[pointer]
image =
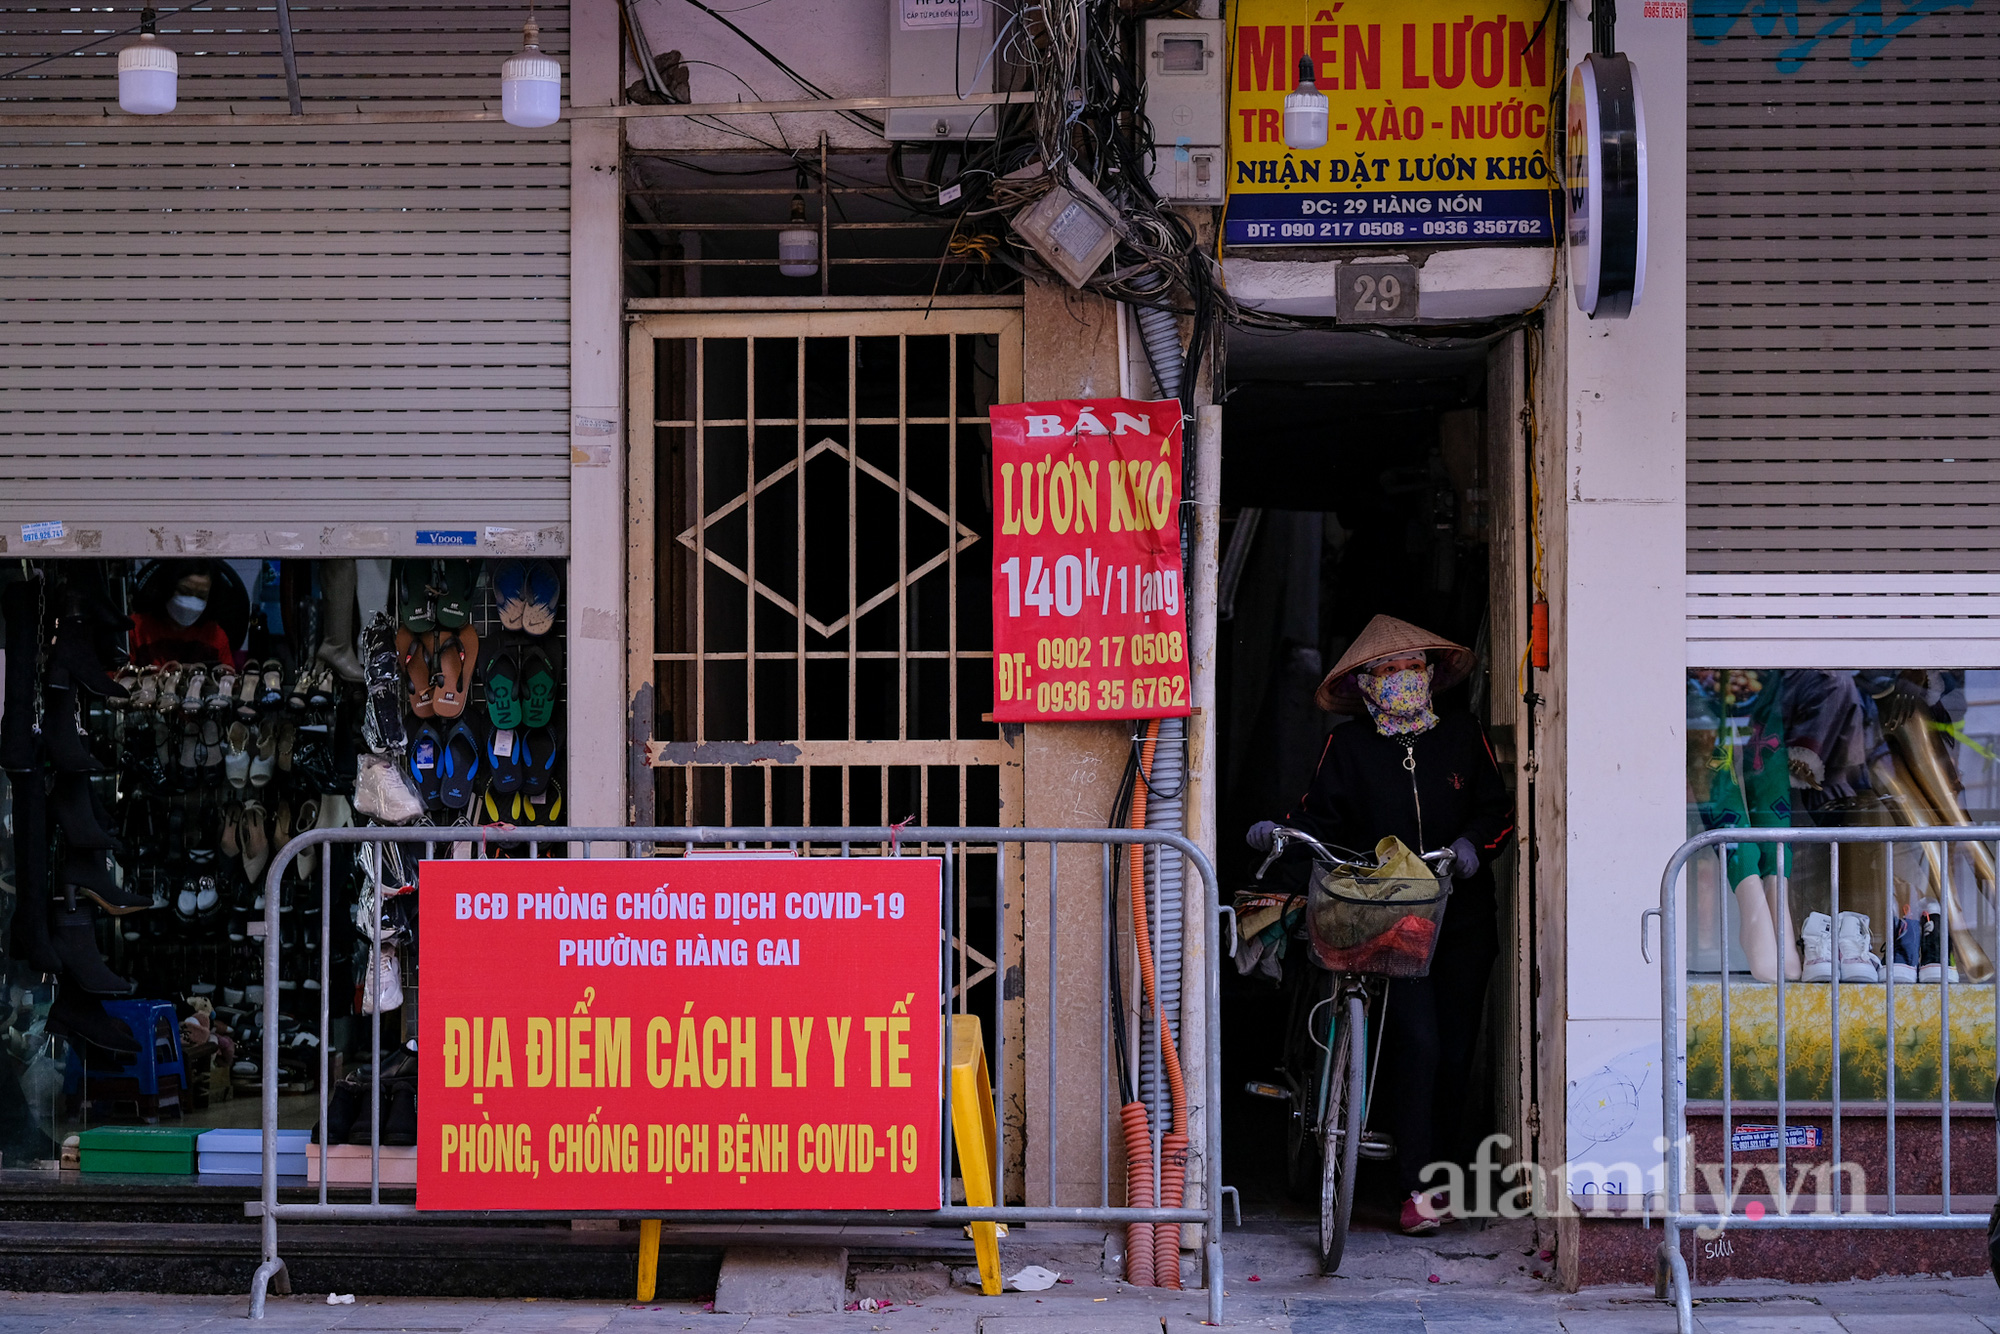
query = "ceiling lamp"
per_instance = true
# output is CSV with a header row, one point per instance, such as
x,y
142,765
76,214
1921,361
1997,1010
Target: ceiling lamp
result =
x,y
147,72
1305,111
798,244
530,84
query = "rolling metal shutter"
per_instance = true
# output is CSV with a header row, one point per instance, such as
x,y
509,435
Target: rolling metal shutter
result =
x,y
288,338
1842,258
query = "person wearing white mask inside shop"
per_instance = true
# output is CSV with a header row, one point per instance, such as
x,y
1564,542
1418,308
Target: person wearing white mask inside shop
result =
x,y
188,612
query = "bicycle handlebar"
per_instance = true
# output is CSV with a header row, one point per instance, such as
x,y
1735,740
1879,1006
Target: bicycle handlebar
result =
x,y
1440,861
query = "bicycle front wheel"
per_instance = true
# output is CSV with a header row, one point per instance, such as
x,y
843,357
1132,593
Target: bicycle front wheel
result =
x,y
1346,1111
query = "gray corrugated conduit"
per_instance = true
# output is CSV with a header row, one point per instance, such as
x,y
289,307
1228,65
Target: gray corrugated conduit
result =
x,y
1160,335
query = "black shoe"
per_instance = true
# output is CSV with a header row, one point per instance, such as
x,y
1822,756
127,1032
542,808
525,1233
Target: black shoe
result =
x,y
399,1125
93,873
61,731
83,1019
75,941
76,814
74,661
1933,952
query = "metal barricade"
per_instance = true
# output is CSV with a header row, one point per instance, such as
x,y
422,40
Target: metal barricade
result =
x,y
1671,1275
820,840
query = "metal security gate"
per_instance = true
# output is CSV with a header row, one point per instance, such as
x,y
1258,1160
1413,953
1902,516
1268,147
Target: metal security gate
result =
x,y
282,339
811,636
1841,348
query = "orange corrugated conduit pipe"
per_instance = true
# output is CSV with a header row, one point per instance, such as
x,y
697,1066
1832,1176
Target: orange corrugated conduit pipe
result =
x,y
1152,1253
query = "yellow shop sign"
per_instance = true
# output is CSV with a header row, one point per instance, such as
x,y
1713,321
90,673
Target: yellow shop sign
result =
x,y
1438,126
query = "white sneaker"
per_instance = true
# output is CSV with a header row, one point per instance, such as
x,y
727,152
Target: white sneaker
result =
x,y
1900,972
1818,941
1851,946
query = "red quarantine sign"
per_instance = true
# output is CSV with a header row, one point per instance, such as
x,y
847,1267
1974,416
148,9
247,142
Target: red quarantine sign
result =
x,y
1088,614
707,1033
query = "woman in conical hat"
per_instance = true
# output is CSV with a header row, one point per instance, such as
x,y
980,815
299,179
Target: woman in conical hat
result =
x,y
1430,780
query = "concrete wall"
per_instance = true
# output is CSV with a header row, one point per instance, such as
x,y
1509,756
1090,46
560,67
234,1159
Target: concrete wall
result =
x,y
841,45
1619,647
1071,772
596,595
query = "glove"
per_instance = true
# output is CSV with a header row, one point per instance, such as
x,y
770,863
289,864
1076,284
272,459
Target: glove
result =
x,y
1260,835
1464,859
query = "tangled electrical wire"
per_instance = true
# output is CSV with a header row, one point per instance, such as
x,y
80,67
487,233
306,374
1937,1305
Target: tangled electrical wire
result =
x,y
1087,123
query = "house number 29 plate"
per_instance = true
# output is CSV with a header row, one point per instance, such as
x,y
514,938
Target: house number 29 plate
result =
x,y
1377,293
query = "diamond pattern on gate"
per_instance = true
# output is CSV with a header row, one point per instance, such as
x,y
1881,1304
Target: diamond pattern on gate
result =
x,y
826,629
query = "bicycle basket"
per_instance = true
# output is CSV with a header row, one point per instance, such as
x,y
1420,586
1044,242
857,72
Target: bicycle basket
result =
x,y
1382,919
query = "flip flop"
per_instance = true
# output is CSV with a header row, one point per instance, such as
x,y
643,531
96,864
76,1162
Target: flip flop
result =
x,y
453,673
538,689
504,756
510,592
415,657
468,647
426,760
454,604
503,690
460,769
419,614
546,810
544,592
541,749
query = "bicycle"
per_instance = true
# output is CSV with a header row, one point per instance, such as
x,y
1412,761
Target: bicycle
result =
x,y
1329,1082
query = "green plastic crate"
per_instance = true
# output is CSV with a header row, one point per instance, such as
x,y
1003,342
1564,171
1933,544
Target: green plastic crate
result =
x,y
161,1150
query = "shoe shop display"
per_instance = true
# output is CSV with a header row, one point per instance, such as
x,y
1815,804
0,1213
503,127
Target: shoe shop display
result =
x,y
169,728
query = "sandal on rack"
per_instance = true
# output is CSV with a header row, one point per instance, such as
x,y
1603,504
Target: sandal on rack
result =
x,y
236,755
195,689
271,685
247,688
414,654
264,755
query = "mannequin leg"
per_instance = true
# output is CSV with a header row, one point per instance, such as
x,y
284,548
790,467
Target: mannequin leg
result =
x,y
371,587
1755,933
1788,939
336,578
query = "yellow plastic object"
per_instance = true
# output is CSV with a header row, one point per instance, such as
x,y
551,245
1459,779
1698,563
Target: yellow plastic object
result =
x,y
976,1139
649,1257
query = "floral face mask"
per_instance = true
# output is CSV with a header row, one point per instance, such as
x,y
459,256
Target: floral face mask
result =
x,y
1399,701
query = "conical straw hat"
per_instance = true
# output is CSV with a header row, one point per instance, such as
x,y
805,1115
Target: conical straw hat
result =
x,y
1387,637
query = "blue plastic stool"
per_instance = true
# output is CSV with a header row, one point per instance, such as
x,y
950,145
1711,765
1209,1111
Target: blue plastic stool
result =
x,y
156,1076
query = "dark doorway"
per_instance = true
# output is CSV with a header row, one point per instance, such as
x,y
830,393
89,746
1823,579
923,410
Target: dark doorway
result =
x,y
1352,485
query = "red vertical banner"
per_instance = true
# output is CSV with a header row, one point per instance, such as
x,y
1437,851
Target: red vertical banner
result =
x,y
709,1033
1089,614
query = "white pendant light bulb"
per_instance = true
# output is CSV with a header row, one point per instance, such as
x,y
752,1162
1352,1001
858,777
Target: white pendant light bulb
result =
x,y
147,73
530,84
1305,111
798,245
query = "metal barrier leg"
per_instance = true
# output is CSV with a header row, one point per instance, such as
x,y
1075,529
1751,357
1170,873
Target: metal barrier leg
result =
x,y
1673,1280
1214,1275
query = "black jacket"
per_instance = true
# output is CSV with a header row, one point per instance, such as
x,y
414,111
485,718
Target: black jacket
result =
x,y
1362,792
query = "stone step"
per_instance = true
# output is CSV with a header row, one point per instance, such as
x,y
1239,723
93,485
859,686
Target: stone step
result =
x,y
394,1259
